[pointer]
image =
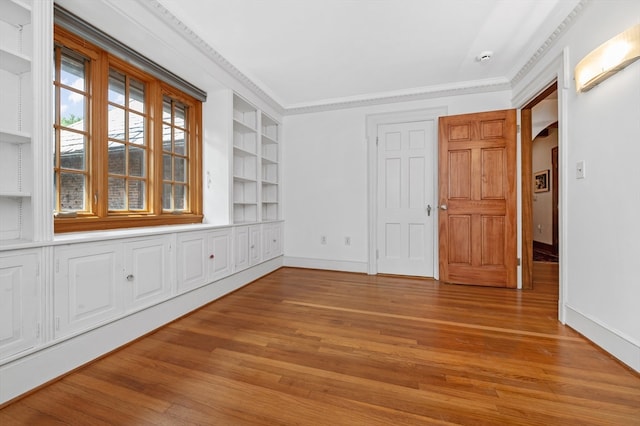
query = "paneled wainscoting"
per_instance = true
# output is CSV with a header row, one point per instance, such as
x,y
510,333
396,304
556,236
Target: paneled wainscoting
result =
x,y
315,347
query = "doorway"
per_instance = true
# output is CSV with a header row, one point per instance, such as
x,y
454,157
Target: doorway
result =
x,y
540,190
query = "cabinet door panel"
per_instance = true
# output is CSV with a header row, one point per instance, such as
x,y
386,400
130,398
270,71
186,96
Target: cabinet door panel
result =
x,y
220,263
192,263
87,287
18,304
241,249
147,272
255,253
272,245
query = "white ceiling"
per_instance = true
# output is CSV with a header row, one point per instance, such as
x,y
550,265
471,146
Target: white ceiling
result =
x,y
313,52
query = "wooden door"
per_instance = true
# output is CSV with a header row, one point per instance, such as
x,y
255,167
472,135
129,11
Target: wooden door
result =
x,y
405,198
477,196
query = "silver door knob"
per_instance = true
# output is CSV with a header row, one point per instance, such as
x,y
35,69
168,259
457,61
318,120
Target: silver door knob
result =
x,y
443,206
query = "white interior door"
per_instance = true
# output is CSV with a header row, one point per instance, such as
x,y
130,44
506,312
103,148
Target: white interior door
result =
x,y
406,198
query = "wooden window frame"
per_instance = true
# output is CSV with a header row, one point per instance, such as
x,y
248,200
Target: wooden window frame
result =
x,y
98,216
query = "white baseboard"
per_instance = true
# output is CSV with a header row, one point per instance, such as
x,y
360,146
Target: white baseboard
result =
x,y
57,359
332,265
618,345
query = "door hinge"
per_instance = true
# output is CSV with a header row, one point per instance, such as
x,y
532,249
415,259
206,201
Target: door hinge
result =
x,y
38,331
518,261
377,254
377,140
518,129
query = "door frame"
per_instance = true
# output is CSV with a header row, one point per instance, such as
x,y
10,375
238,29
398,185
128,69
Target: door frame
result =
x,y
372,123
558,70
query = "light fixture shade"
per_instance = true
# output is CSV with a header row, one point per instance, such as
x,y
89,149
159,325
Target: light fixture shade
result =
x,y
609,58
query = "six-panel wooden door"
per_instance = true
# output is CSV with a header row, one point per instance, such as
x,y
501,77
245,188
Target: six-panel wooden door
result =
x,y
477,197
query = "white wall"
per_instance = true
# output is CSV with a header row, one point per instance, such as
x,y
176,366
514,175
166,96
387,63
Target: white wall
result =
x,y
325,179
542,201
601,230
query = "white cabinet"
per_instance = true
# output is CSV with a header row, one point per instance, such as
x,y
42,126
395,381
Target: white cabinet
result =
x,y
247,250
19,302
16,110
87,286
272,241
147,271
95,283
203,257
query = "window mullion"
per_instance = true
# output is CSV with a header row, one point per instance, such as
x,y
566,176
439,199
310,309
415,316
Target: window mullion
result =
x,y
98,145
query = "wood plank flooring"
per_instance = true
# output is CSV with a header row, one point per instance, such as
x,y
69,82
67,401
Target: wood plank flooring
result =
x,y
309,347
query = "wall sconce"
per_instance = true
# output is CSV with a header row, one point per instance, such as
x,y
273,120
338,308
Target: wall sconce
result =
x,y
609,58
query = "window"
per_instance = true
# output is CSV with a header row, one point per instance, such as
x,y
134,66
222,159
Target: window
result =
x,y
127,146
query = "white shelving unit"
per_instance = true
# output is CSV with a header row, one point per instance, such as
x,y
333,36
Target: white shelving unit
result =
x,y
16,115
256,153
270,177
245,161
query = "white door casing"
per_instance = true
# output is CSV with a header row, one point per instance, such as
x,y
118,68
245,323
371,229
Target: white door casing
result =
x,y
405,194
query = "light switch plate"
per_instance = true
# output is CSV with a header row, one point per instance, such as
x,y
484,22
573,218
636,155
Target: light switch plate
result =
x,y
580,170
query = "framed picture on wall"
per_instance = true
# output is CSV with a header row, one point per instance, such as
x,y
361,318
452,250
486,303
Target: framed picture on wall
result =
x,y
541,181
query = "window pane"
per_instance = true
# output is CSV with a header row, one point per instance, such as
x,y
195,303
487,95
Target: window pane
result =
x,y
136,195
72,192
72,150
166,167
116,123
136,95
166,110
136,161
180,113
179,142
136,128
116,194
72,108
117,158
166,138
180,195
72,72
116,87
166,196
180,169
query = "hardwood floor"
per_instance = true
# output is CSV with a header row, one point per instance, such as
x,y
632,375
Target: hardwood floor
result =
x,y
329,348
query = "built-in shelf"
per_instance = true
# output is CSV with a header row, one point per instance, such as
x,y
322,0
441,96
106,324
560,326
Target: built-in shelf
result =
x,y
15,63
255,164
8,136
14,194
15,12
243,179
243,152
241,127
18,99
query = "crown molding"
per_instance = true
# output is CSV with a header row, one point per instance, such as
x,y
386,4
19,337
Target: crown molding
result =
x,y
408,95
549,42
158,9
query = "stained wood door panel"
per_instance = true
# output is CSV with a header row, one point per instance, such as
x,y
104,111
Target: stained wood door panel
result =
x,y
477,180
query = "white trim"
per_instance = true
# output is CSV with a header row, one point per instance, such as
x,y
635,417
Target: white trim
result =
x,y
53,361
406,95
556,70
372,123
325,264
623,347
